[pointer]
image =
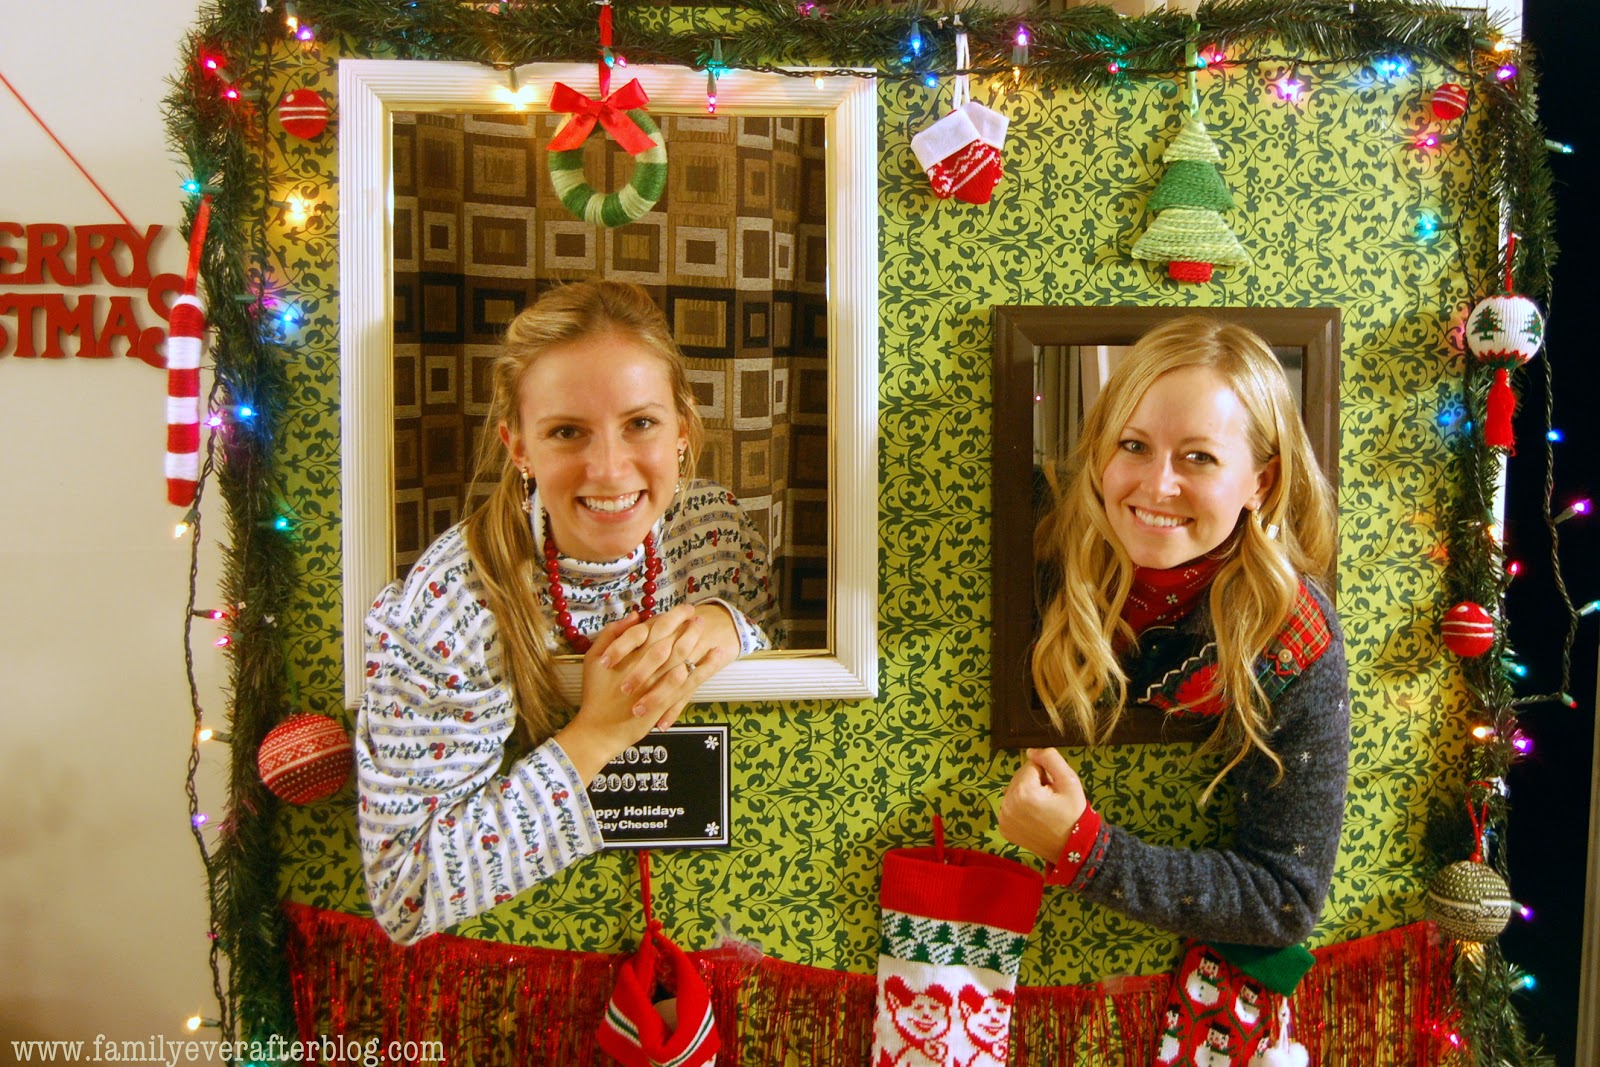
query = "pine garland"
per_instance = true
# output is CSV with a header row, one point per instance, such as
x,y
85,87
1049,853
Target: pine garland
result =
x,y
223,146
1084,48
1516,176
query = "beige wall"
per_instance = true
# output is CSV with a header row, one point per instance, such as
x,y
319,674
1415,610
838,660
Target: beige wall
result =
x,y
102,918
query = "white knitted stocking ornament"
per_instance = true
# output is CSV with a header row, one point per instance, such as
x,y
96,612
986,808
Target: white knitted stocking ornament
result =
x,y
1284,1050
955,923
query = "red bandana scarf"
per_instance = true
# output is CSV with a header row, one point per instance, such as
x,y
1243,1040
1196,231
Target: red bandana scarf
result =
x,y
1162,597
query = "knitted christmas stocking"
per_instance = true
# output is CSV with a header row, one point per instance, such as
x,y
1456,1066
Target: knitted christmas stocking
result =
x,y
955,923
1216,1014
957,160
659,1014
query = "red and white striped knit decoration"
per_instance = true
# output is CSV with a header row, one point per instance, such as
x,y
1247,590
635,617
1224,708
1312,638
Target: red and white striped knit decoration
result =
x,y
659,1014
186,330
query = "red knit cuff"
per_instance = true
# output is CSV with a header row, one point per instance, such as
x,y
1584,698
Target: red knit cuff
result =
x,y
1080,857
961,885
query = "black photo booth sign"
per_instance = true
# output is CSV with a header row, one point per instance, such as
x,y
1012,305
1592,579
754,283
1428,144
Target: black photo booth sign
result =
x,y
671,790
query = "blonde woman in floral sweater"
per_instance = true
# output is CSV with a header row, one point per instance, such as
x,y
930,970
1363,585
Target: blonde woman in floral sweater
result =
x,y
472,768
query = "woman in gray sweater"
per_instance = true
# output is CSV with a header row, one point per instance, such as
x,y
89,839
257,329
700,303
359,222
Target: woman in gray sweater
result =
x,y
1189,534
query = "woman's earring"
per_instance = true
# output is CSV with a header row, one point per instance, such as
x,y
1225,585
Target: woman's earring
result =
x,y
527,492
1269,529
683,464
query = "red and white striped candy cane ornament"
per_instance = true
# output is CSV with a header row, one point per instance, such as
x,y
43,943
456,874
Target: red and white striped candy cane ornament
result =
x,y
186,331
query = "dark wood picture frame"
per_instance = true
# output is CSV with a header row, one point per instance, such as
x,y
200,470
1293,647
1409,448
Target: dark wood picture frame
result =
x,y
1017,719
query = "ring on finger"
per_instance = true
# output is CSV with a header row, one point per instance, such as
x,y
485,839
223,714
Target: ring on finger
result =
x,y
689,666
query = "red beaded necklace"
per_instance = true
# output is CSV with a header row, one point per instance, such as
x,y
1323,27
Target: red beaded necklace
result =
x,y
558,595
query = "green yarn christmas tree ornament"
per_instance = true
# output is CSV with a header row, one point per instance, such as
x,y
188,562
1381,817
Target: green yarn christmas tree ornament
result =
x,y
1188,231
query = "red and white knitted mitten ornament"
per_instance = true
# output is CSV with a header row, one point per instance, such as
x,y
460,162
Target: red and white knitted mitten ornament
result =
x,y
955,924
659,1013
961,152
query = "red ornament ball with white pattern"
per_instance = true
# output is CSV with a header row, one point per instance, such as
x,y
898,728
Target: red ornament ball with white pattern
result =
x,y
1449,101
305,758
304,114
1468,630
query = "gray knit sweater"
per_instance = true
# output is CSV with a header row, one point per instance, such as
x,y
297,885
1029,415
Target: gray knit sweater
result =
x,y
1269,887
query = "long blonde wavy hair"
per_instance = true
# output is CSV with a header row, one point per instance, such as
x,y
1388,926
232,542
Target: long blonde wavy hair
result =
x,y
498,534
1075,668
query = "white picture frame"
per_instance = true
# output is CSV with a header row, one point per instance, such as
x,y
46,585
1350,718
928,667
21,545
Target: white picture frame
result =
x,y
370,91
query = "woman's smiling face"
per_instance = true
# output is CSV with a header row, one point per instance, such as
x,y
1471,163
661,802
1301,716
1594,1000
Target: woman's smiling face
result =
x,y
1182,470
600,435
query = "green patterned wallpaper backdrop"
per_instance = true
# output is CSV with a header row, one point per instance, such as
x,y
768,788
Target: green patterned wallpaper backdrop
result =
x,y
1328,197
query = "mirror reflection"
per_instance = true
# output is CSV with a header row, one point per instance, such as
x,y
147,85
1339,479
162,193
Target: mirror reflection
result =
x,y
1050,365
734,254
1068,378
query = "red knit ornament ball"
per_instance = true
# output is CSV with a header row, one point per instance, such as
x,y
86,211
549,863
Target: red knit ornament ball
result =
x,y
304,114
305,759
1468,630
1449,101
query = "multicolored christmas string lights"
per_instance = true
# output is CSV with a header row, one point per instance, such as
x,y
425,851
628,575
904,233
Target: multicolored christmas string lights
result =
x,y
211,116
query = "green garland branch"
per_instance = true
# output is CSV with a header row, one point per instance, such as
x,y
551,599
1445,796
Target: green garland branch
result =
x,y
223,144
1510,192
1070,48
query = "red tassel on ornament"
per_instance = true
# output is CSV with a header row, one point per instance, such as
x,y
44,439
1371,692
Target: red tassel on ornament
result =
x,y
1497,414
1185,270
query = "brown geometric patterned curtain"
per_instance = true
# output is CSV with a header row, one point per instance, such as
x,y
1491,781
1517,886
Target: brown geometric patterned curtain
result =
x,y
735,254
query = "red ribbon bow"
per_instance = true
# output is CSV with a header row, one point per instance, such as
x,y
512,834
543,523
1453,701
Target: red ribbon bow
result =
x,y
611,112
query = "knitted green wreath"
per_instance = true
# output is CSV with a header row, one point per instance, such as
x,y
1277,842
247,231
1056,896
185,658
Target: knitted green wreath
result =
x,y
644,188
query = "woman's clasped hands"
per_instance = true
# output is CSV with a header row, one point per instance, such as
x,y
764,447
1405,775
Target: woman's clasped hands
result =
x,y
638,676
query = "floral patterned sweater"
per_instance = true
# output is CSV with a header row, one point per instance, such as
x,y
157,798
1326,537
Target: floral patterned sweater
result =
x,y
1268,887
446,830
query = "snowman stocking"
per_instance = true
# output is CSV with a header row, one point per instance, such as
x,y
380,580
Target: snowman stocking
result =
x,y
955,924
1215,1014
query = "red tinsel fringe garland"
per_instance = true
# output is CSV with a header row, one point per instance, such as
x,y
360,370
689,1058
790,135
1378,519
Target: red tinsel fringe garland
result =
x,y
1379,1001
